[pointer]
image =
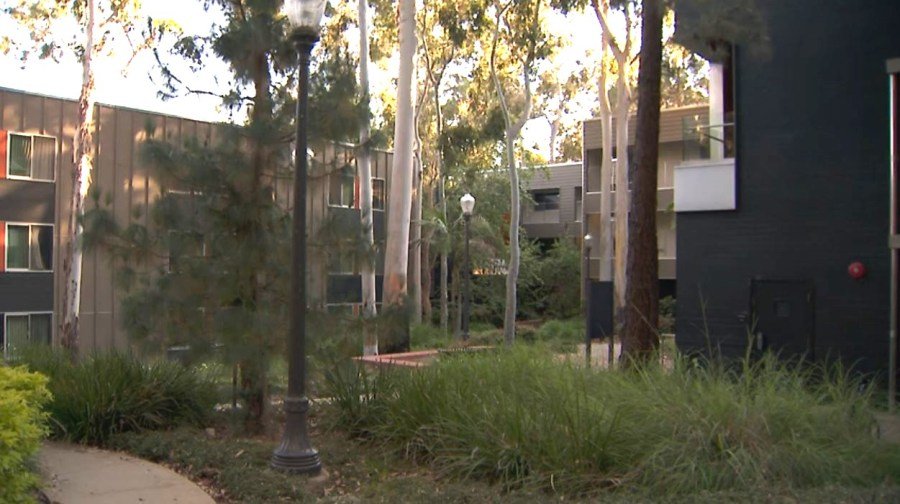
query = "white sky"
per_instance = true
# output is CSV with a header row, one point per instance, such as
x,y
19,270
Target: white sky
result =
x,y
136,90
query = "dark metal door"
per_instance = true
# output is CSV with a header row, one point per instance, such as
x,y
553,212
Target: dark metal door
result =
x,y
783,317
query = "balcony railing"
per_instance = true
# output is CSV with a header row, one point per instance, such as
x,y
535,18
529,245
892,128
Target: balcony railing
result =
x,y
701,140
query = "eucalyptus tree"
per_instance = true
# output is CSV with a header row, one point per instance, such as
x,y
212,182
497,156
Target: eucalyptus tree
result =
x,y
518,41
364,163
400,202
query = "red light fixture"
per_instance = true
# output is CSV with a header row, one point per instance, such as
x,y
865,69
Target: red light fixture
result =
x,y
856,270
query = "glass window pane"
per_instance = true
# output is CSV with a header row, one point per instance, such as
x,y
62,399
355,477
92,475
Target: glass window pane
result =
x,y
17,247
334,189
42,248
16,333
40,328
378,194
349,190
43,158
20,155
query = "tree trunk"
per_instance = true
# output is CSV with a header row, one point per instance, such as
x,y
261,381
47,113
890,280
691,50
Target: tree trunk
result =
x,y
606,167
415,245
400,202
364,162
640,337
81,182
512,133
554,132
622,196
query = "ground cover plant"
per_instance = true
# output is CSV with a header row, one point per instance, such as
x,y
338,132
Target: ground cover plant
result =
x,y
104,394
23,425
522,419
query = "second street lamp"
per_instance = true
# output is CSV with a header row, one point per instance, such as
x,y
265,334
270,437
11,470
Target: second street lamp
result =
x,y
295,453
586,296
467,202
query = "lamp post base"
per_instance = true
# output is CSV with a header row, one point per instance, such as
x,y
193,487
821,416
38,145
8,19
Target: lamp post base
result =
x,y
295,454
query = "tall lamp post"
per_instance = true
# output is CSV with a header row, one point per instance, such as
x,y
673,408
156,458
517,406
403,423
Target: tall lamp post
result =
x,y
295,453
467,202
586,297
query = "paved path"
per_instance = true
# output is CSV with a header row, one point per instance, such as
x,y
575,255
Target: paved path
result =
x,y
74,475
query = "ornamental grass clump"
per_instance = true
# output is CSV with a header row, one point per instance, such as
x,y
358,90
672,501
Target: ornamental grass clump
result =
x,y
522,418
109,393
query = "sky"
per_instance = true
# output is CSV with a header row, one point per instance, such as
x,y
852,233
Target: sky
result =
x,y
134,89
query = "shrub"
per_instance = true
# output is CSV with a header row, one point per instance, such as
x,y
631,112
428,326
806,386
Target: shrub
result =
x,y
428,336
109,393
22,427
521,418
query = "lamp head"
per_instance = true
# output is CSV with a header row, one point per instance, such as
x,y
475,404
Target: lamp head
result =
x,y
305,15
467,202
588,241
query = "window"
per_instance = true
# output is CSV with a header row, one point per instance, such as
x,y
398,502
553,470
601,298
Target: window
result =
x,y
578,208
29,247
546,199
21,329
31,157
341,189
378,192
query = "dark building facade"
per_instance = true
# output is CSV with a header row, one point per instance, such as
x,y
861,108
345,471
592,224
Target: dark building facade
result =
x,y
766,241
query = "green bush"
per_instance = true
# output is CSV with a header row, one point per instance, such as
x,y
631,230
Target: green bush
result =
x,y
109,393
521,418
23,425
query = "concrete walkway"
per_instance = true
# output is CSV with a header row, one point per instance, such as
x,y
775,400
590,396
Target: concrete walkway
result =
x,y
75,474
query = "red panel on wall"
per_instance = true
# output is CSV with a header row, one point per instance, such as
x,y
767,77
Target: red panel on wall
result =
x,y
3,138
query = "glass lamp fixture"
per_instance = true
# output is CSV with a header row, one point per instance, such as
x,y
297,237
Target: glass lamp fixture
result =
x,y
467,202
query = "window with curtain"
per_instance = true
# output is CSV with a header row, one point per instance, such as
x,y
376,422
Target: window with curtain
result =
x,y
16,333
25,329
29,247
17,240
32,156
19,155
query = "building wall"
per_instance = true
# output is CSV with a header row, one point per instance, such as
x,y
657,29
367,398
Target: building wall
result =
x,y
671,154
812,167
554,223
118,171
127,185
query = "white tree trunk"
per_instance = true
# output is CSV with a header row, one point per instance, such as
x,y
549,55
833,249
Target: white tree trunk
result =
x,y
400,202
513,129
622,195
364,161
554,132
604,242
415,267
81,182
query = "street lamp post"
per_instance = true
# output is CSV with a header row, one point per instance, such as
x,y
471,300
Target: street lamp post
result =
x,y
295,453
586,297
467,202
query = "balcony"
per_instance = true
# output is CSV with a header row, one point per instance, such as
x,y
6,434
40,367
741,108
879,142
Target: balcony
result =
x,y
706,180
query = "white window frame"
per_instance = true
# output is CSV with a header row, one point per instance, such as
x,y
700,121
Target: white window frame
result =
x,y
32,136
6,267
342,204
24,314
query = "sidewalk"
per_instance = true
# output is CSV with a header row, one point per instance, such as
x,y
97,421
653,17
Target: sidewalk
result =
x,y
75,474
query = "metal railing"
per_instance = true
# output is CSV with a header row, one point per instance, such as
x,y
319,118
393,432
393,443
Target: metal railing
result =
x,y
701,140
